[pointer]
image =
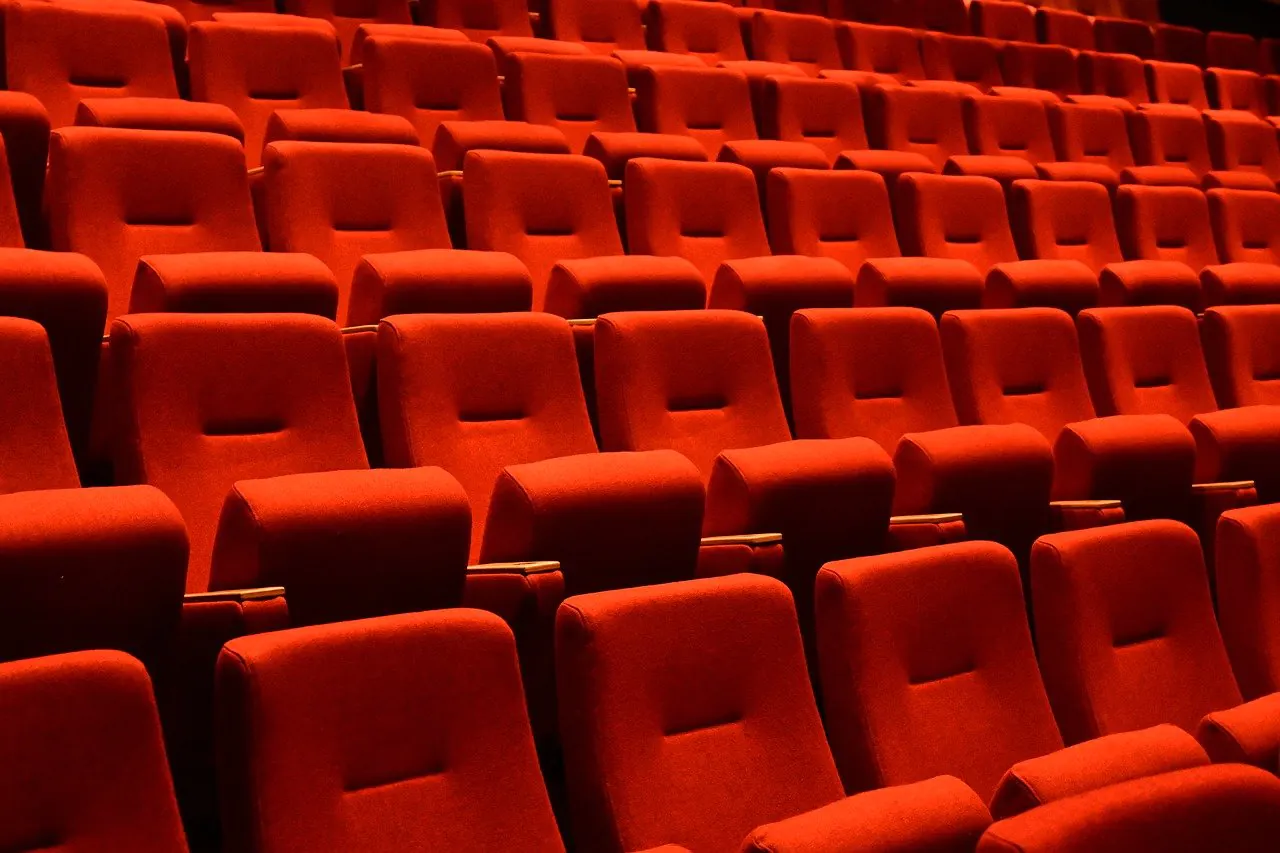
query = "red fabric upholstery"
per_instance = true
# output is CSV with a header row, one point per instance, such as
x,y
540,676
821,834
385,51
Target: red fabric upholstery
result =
x,y
420,714
1170,138
455,139
1151,283
762,156
236,65
341,202
615,150
24,130
1240,349
437,281
707,213
158,114
1180,44
1231,50
395,31
1243,144
712,105
408,530
1065,221
83,756
1223,808
64,53
920,121
321,125
843,215
941,815
928,668
1093,135
1116,75
1245,575
1065,284
603,26
888,164
805,41
1245,734
1065,27
1003,21
451,394
589,287
936,285
1114,656
1243,225
1165,224
577,95
1123,35
961,218
659,756
210,282
115,195
1236,89
1008,127
193,426
347,19
1177,83
506,47
962,59
709,32
1093,764
542,209
893,51
1004,169
1048,67
481,20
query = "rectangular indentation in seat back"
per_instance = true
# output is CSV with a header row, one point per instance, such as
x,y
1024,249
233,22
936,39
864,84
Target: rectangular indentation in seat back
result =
x,y
964,239
916,681
550,230
280,95
91,81
1171,243
362,227
728,720
375,782
1024,390
699,403
1138,639
1071,241
1151,382
226,427
495,416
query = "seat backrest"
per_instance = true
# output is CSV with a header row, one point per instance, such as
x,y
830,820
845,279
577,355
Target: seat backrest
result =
x,y
1145,361
649,398
348,15
955,217
342,201
1090,133
1244,570
924,121
541,208
257,70
429,82
116,195
420,714
943,16
1010,127
805,41
1181,812
659,688
207,400
1002,20
923,653
1120,35
1065,221
34,448
1177,83
1118,75
712,105
1244,225
841,214
1115,657
1066,27
873,372
1162,138
964,59
1231,50
481,19
83,756
882,50
62,54
1243,143
706,212
1237,89
474,394
602,25
1165,224
708,31
1242,349
1180,44
1050,67
579,95
825,113
1019,365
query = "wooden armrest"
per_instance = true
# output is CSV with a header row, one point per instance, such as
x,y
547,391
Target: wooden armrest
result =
x,y
587,322
1099,504
1227,486
359,66
260,593
531,567
930,518
353,330
755,540
450,173
615,183
257,170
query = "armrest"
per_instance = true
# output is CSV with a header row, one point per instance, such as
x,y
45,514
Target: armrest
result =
x,y
927,518
455,138
347,544
338,125
233,282
615,150
523,568
1067,285
753,540
908,532
1000,167
1160,176
261,593
936,285
160,114
777,286
939,814
438,281
1150,283
1098,173
1088,504
890,164
1238,444
1083,515
1095,764
588,287
1240,284
1245,734
1228,486
1238,179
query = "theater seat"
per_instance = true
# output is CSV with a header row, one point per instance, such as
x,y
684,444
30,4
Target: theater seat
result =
x,y
482,20
823,113
1177,84
1236,89
1244,227
602,25
398,695
807,42
1046,72
1142,361
890,54
1241,142
1115,79
1244,579
904,702
83,757
1091,142
651,760
960,61
911,130
1239,348
1116,658
1066,27
1170,144
347,19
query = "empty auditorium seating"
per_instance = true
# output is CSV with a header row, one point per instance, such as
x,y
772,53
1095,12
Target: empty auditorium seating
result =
x,y
347,18
1147,360
1008,137
965,218
1244,225
1179,44
1091,142
1236,89
1114,78
663,756
1065,27
1239,341
1023,366
83,757
1002,20
1177,84
1229,808
480,20
960,60
1239,142
905,702
824,113
803,41
399,695
1041,71
602,25
888,54
1231,50
1121,35
707,31
1172,224
1244,573
1116,658
926,124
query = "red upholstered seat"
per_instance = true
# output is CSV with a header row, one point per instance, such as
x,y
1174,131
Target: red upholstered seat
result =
x,y
480,19
347,18
603,26
1002,20
1091,141
806,41
1116,78
1123,35
1181,44
1240,349
1244,225
1240,142
414,735
1066,27
1116,658
824,113
716,731
1045,67
707,31
1177,84
963,60
843,215
893,52
1237,89
1244,573
83,757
